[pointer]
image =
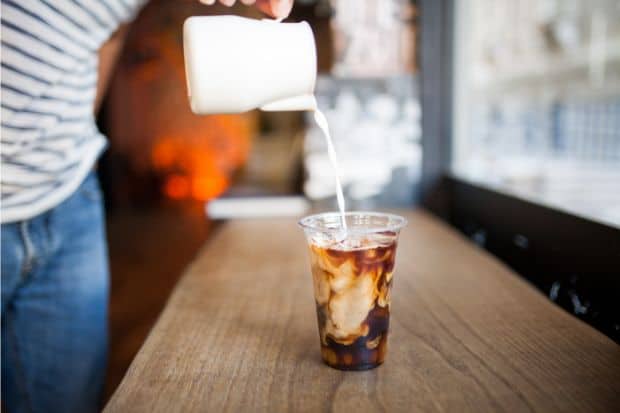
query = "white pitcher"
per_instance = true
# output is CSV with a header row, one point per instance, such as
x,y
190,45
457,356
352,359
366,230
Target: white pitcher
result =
x,y
235,64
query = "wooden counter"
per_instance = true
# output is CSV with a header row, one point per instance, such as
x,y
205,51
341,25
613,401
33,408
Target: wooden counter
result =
x,y
239,334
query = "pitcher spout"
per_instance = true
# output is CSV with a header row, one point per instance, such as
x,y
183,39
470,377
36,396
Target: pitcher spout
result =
x,y
302,102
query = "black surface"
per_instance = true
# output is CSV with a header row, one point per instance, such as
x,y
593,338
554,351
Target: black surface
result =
x,y
572,260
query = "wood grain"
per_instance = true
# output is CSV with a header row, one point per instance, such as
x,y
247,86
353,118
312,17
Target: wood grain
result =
x,y
239,334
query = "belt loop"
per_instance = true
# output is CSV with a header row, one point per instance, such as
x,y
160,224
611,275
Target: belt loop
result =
x,y
28,263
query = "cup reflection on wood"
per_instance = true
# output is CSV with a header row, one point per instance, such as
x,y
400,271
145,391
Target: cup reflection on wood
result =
x,y
352,283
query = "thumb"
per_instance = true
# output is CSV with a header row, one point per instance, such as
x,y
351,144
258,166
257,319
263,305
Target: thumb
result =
x,y
275,8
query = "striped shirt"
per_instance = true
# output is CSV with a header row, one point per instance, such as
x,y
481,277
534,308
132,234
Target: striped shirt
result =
x,y
49,139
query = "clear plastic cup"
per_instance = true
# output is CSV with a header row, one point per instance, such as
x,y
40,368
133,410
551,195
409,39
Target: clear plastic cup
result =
x,y
352,271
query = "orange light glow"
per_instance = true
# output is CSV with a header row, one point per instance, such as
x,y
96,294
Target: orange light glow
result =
x,y
198,163
163,154
205,188
176,187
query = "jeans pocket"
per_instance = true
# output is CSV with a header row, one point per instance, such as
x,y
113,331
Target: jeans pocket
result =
x,y
13,258
90,188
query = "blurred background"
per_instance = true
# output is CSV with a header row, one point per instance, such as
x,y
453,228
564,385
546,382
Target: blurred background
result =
x,y
538,101
492,114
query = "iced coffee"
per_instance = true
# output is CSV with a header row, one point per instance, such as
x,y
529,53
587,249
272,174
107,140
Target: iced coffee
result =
x,y
352,272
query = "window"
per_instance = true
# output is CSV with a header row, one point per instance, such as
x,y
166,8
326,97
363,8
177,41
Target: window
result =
x,y
537,102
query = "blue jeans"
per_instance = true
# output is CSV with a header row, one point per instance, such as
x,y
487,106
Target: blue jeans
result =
x,y
54,307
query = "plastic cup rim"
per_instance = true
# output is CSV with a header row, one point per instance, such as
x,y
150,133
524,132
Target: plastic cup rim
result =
x,y
398,222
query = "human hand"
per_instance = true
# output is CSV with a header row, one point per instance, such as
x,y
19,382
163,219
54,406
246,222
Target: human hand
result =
x,y
275,8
